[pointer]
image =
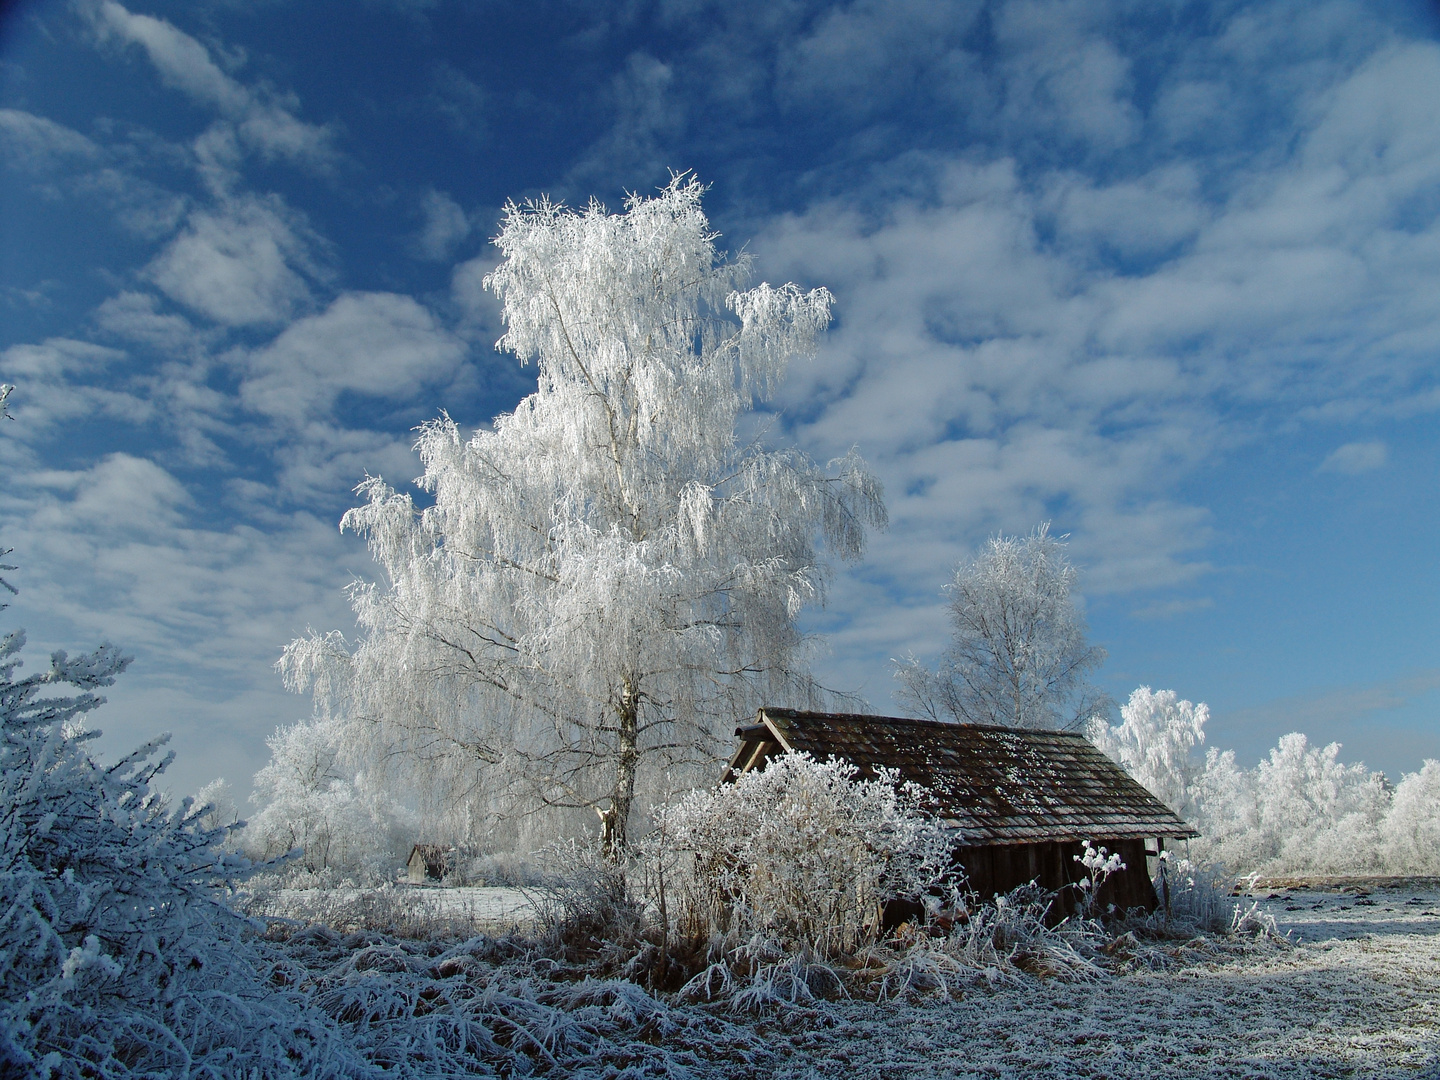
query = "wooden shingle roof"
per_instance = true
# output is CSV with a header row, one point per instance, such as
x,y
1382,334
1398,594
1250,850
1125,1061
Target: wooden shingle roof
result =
x,y
998,785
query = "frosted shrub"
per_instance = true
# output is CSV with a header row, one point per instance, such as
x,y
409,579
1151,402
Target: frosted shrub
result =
x,y
117,955
585,903
1195,895
803,853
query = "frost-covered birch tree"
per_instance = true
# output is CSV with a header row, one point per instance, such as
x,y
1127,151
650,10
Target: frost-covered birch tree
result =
x,y
1019,656
609,576
1156,742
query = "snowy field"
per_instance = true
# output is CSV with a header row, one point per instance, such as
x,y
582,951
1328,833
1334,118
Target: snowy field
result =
x,y
491,911
1356,993
1350,989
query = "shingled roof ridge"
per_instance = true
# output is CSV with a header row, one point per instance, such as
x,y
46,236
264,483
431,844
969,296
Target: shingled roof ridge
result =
x,y
786,713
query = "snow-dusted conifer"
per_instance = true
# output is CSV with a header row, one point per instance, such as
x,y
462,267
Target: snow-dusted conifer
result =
x,y
607,576
117,956
1019,656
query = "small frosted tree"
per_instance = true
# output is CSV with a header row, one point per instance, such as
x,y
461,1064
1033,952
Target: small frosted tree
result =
x,y
1019,656
1411,831
607,576
1316,813
308,800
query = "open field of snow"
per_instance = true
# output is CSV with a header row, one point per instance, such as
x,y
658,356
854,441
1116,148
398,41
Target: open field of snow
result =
x,y
1355,993
1351,989
478,910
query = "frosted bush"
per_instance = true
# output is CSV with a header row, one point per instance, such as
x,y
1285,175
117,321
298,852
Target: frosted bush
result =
x,y
1194,894
118,956
803,853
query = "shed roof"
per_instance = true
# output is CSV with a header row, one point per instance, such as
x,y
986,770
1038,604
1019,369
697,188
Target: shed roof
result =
x,y
998,785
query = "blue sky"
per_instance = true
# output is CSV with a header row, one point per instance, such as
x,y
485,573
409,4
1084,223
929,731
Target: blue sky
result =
x,y
1166,274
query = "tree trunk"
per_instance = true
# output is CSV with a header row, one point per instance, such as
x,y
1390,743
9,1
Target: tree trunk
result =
x,y
615,819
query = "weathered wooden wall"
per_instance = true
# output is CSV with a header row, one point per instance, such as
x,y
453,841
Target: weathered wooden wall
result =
x,y
999,868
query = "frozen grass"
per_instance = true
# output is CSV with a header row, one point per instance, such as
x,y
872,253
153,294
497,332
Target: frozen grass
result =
x,y
1357,993
400,910
484,1007
1351,988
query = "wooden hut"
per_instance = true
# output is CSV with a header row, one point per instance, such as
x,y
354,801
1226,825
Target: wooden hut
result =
x,y
427,862
1024,802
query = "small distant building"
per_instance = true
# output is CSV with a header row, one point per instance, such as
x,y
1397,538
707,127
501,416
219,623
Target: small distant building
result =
x,y
428,862
1024,802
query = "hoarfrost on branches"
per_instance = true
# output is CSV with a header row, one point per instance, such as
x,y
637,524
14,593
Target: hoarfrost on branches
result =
x,y
1019,656
1299,810
804,853
1155,742
607,576
118,956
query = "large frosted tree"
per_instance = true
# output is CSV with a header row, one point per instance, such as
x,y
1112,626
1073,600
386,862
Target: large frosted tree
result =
x,y
608,577
1019,656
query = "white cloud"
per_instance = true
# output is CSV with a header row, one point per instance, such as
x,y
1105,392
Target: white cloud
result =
x,y
263,120
237,264
40,144
1020,343
1142,217
1062,77
63,160
122,494
63,381
1171,609
182,61
648,112
376,344
1355,458
445,225
114,552
863,55
135,316
479,307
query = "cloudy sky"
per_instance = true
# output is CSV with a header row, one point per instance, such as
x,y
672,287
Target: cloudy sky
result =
x,y
1164,273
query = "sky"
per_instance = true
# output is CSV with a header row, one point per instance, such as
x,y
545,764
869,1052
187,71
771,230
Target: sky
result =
x,y
1165,274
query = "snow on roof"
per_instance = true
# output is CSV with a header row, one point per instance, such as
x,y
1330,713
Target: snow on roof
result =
x,y
998,785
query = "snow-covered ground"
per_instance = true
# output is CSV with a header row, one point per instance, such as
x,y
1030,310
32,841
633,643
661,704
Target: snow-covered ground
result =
x,y
1351,989
491,911
1356,993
